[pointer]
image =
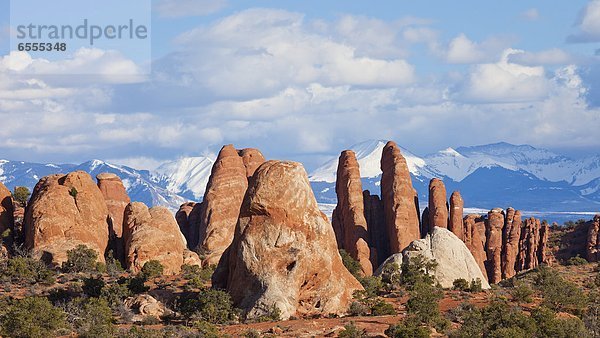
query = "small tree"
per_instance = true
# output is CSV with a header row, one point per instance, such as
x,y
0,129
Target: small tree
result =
x,y
32,317
522,293
91,317
352,331
460,284
80,259
423,303
21,195
152,269
351,264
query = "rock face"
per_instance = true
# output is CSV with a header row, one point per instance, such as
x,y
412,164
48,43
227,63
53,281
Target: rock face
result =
x,y
510,242
398,196
116,198
592,248
252,159
456,215
374,215
493,247
188,218
528,245
473,240
280,223
452,255
222,200
6,209
438,208
152,234
65,211
348,217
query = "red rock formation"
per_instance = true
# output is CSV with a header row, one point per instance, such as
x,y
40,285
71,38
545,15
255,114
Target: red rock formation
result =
x,y
222,200
380,246
280,223
493,247
456,215
474,241
593,241
116,198
398,196
188,219
510,242
438,207
425,222
543,243
252,159
348,216
64,212
6,214
528,245
152,234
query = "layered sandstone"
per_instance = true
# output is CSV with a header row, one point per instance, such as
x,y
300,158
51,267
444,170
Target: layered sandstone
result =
x,y
473,240
493,248
280,223
592,248
349,215
116,198
438,208
510,242
398,196
66,211
456,214
152,234
188,219
374,215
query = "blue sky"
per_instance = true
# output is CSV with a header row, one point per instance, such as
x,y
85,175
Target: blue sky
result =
x,y
304,80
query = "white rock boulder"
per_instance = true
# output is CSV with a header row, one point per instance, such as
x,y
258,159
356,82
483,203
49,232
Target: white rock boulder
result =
x,y
452,255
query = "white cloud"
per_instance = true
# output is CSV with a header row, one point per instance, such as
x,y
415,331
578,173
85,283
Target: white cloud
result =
x,y
506,82
267,50
462,50
531,14
184,8
588,24
554,56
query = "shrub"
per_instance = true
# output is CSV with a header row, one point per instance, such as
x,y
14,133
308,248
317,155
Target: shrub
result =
x,y
382,308
351,264
137,284
408,328
522,293
592,314
213,306
418,269
372,286
206,329
273,315
197,276
115,293
352,331
152,269
113,266
21,195
550,326
390,274
32,317
559,294
25,269
93,286
81,259
423,303
358,309
577,260
475,286
90,317
73,192
460,284
251,333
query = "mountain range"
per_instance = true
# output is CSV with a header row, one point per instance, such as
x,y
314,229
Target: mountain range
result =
x,y
488,176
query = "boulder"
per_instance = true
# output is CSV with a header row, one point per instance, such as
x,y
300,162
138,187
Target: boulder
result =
x,y
116,198
66,211
348,218
398,196
510,242
144,306
456,215
494,227
452,255
284,252
152,234
438,207
593,240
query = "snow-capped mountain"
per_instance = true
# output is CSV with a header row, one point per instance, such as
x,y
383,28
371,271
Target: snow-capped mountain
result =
x,y
186,177
487,176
